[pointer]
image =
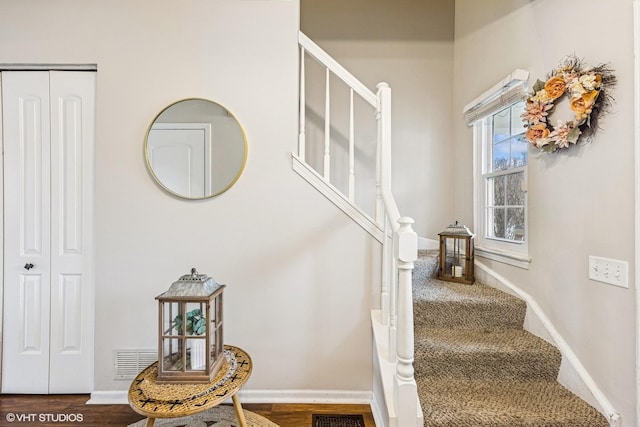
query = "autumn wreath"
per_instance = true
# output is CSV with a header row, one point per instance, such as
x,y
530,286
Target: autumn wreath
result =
x,y
588,92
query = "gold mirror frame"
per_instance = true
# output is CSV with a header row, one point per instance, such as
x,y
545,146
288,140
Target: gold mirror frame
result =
x,y
196,115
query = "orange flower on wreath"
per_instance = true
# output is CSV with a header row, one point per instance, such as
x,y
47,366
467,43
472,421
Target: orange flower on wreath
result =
x,y
537,132
555,87
582,105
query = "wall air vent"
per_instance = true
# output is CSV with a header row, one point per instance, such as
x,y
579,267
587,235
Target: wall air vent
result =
x,y
130,362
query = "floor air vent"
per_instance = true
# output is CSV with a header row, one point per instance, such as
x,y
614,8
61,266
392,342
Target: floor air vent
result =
x,y
337,421
128,363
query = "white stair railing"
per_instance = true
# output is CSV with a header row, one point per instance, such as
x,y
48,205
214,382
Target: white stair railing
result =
x,y
399,241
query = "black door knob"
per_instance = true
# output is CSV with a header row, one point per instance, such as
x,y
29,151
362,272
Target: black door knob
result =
x,y
28,266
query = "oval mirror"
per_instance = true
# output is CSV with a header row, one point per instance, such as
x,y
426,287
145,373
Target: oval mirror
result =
x,y
195,149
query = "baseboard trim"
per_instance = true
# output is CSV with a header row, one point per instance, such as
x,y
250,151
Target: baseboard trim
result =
x,y
573,374
337,397
109,397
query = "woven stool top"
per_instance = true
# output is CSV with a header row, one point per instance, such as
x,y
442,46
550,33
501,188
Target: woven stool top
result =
x,y
148,398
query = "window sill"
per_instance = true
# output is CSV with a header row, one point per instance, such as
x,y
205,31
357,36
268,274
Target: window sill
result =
x,y
515,259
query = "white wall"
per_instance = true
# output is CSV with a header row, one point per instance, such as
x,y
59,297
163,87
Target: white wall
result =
x,y
299,274
408,44
581,202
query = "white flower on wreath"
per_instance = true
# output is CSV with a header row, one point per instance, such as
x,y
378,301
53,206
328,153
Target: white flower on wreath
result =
x,y
577,88
589,82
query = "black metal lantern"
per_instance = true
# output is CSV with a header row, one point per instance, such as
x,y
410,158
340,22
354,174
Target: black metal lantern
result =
x,y
456,254
190,339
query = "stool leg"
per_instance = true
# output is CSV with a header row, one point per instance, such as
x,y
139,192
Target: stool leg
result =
x,y
239,413
150,421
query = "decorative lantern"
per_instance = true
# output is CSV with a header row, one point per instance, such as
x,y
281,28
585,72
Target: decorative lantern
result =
x,y
190,340
456,254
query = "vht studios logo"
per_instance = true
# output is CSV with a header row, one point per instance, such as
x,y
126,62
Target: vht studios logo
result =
x,y
43,418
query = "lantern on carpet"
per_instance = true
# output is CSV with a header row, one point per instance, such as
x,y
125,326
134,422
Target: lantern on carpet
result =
x,y
456,254
190,338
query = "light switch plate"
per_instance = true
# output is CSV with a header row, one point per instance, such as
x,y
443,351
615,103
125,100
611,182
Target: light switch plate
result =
x,y
611,271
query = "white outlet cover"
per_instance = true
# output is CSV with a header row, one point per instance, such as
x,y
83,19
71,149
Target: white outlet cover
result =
x,y
611,271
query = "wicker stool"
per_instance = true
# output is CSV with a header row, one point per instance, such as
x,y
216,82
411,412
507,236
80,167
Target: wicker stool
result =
x,y
153,400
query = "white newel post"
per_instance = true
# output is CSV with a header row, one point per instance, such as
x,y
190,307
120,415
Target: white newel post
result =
x,y
405,389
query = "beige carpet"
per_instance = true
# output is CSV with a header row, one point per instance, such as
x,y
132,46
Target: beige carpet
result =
x,y
476,366
220,416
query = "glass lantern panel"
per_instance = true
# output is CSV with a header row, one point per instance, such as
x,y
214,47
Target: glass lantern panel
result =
x,y
213,342
196,323
196,354
219,343
172,354
171,318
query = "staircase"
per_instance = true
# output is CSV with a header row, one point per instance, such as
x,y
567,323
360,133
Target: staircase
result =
x,y
475,365
463,358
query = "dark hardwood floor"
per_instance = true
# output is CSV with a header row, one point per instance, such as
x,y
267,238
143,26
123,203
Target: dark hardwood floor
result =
x,y
53,410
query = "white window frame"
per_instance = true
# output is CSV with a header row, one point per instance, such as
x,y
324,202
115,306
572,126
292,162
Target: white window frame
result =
x,y
478,114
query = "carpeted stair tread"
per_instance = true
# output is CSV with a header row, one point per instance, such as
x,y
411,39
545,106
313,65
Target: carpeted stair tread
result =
x,y
426,266
438,303
466,403
508,354
476,366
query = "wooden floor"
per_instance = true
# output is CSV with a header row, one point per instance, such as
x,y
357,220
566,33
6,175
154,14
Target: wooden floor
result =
x,y
36,410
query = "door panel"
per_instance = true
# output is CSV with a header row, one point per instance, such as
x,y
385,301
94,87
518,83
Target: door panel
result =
x,y
25,106
72,141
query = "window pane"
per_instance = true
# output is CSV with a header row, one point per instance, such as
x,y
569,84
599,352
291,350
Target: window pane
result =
x,y
495,220
501,155
519,153
517,125
515,196
501,125
515,224
496,191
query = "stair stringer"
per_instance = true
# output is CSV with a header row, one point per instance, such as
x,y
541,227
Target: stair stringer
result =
x,y
573,374
337,198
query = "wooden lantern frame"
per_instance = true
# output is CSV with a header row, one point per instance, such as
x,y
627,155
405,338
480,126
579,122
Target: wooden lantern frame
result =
x,y
176,348
457,254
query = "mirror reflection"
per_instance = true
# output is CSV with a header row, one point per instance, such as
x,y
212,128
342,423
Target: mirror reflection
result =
x,y
195,148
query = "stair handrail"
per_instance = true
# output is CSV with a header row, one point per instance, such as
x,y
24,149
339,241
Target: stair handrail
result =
x,y
400,243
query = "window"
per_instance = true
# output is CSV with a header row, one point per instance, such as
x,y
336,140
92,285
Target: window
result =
x,y
500,177
505,161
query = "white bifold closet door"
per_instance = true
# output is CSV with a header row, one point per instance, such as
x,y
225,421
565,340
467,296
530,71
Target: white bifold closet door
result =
x,y
48,130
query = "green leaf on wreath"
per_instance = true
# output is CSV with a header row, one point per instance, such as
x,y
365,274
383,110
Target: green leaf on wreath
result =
x,y
538,86
573,135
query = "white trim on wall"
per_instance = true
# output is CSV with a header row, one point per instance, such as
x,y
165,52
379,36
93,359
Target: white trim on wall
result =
x,y
337,397
48,67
